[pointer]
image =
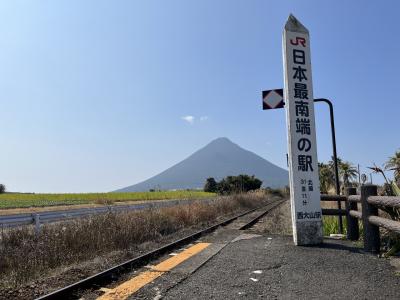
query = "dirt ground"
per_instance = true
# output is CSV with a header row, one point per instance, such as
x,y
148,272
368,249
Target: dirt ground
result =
x,y
277,221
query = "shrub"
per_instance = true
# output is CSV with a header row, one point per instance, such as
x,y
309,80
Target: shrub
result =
x,y
275,192
211,185
238,184
2,188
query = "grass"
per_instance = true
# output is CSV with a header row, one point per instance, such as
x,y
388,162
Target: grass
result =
x,y
17,200
64,244
331,225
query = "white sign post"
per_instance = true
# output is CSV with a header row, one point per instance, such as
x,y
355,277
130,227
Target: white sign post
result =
x,y
303,162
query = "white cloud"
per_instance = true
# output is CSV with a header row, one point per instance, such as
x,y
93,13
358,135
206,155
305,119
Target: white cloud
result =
x,y
189,119
203,118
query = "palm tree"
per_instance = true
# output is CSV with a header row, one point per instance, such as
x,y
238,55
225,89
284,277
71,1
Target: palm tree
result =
x,y
348,172
326,177
393,164
332,164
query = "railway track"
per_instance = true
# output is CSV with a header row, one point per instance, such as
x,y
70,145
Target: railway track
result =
x,y
110,275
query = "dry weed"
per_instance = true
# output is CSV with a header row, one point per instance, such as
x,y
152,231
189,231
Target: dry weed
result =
x,y
25,255
278,221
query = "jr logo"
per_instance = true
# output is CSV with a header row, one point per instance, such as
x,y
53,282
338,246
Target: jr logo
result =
x,y
299,40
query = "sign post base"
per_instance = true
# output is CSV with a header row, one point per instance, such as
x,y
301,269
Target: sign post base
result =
x,y
308,233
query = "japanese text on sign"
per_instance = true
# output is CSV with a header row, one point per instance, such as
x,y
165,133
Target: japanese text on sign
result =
x,y
302,141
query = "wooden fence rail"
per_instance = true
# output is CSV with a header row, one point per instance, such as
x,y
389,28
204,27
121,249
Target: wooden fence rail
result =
x,y
384,201
370,205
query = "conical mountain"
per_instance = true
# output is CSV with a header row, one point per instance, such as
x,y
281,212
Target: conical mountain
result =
x,y
218,159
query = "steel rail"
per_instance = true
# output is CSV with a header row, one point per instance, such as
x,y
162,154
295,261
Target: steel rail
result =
x,y
255,220
105,277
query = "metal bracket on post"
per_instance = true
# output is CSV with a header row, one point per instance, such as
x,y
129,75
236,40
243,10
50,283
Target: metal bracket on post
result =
x,y
372,240
353,232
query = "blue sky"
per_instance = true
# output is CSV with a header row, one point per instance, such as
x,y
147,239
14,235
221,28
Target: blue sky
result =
x,y
94,93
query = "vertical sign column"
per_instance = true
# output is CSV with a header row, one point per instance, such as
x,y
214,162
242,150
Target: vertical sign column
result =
x,y
303,162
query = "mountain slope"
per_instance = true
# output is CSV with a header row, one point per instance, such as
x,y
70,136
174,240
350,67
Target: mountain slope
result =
x,y
218,159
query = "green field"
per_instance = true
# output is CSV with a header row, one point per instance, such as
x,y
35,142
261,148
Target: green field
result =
x,y
16,200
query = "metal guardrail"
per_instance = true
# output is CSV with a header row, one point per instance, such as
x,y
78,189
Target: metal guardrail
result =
x,y
63,215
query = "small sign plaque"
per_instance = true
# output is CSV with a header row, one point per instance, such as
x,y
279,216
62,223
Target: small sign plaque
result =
x,y
273,99
363,178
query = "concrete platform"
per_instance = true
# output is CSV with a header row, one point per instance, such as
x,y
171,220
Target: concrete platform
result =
x,y
240,265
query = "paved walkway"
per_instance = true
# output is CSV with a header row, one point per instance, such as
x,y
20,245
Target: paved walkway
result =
x,y
240,265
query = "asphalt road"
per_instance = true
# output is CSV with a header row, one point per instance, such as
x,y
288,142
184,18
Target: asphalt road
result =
x,y
243,266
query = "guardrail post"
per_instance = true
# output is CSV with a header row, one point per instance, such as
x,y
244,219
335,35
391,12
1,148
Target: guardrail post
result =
x,y
37,223
353,232
372,240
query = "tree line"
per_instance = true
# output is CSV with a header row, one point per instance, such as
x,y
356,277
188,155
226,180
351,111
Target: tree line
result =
x,y
232,184
2,188
348,173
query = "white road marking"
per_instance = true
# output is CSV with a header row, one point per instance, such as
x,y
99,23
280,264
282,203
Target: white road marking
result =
x,y
253,279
